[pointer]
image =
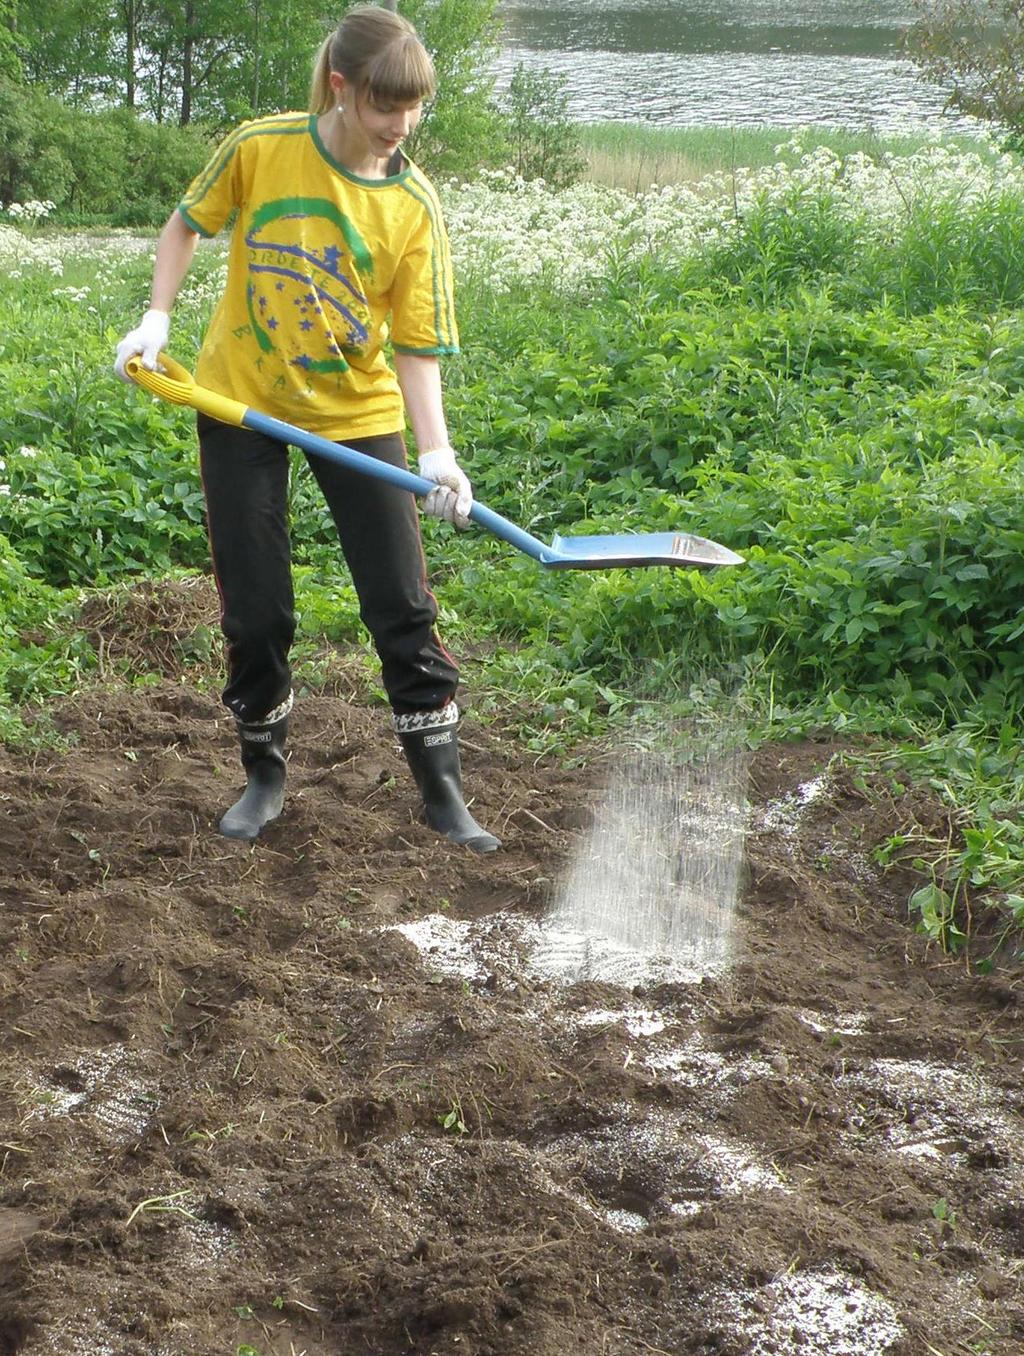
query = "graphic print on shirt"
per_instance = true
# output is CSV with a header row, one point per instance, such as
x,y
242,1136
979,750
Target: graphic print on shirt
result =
x,y
305,297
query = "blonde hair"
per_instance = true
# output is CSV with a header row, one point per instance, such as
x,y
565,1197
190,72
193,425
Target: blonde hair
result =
x,y
377,51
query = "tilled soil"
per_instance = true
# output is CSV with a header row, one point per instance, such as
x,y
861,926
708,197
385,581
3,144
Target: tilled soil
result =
x,y
317,1095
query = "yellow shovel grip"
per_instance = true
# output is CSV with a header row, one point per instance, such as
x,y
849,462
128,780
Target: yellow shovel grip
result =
x,y
177,385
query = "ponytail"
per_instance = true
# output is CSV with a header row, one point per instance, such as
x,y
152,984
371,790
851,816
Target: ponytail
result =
x,y
321,96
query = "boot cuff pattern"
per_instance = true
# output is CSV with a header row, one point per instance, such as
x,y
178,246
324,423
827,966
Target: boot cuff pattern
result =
x,y
415,721
278,713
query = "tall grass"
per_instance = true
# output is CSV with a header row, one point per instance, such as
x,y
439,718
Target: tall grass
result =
x,y
635,155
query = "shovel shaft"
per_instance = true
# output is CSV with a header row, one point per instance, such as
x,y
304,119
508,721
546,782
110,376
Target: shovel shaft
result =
x,y
393,475
175,383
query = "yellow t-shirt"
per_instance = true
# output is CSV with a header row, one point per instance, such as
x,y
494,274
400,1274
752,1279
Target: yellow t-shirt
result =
x,y
324,268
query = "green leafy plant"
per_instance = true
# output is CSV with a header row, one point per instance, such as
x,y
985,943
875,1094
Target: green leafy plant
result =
x,y
936,912
453,1119
944,1213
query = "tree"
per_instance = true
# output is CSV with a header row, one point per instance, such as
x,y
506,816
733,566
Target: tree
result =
x,y
10,66
174,60
65,48
975,47
278,43
216,62
543,142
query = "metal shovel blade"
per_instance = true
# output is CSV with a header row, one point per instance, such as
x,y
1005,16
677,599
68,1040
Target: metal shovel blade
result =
x,y
646,548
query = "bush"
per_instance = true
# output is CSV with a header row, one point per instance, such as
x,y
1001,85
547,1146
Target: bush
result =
x,y
107,166
866,460
542,142
39,655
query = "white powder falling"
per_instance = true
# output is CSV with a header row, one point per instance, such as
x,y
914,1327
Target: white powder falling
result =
x,y
659,870
567,955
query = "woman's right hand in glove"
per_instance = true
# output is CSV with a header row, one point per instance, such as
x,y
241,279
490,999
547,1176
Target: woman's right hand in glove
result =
x,y
146,341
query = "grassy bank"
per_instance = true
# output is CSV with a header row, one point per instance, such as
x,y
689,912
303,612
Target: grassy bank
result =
x,y
820,367
633,156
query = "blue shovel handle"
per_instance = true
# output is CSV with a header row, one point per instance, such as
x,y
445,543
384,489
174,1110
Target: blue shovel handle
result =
x,y
394,475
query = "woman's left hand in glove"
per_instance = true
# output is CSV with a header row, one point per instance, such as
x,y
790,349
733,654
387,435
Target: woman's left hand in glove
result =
x,y
453,497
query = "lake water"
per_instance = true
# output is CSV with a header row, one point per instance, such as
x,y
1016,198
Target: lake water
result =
x,y
681,63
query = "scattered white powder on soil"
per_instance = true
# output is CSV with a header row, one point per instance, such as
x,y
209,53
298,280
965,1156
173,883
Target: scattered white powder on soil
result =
x,y
97,1340
930,1108
90,1335
818,1313
626,1221
695,1066
639,1022
690,1170
50,1099
209,1241
469,950
784,815
111,1091
444,943
841,1024
686,1209
736,1168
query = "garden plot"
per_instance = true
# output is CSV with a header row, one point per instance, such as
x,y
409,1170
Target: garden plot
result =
x,y
355,1090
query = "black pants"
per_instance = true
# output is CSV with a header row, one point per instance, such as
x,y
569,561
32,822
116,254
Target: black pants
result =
x,y
245,480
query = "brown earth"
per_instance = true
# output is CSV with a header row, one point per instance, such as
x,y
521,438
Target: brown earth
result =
x,y
258,1100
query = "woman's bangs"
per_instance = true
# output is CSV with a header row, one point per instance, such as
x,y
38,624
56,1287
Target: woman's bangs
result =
x,y
402,74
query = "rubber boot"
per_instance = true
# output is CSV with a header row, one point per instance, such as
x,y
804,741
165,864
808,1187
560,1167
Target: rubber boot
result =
x,y
262,749
432,752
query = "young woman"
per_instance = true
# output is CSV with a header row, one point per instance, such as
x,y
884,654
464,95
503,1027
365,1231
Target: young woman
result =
x,y
338,249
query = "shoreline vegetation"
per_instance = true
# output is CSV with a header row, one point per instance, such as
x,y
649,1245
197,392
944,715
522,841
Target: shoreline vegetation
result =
x,y
633,156
813,358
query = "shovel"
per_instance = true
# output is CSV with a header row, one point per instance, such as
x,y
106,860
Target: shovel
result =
x,y
176,384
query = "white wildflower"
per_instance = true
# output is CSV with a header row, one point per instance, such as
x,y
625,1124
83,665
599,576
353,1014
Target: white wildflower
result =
x,y
76,294
507,229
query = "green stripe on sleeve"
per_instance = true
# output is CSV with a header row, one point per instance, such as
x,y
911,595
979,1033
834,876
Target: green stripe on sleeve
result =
x,y
192,224
292,124
437,351
444,301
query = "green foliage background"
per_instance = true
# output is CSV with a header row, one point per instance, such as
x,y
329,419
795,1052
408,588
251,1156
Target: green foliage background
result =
x,y
70,134
102,167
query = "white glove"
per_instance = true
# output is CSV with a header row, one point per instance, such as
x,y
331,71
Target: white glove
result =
x,y
147,339
453,497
